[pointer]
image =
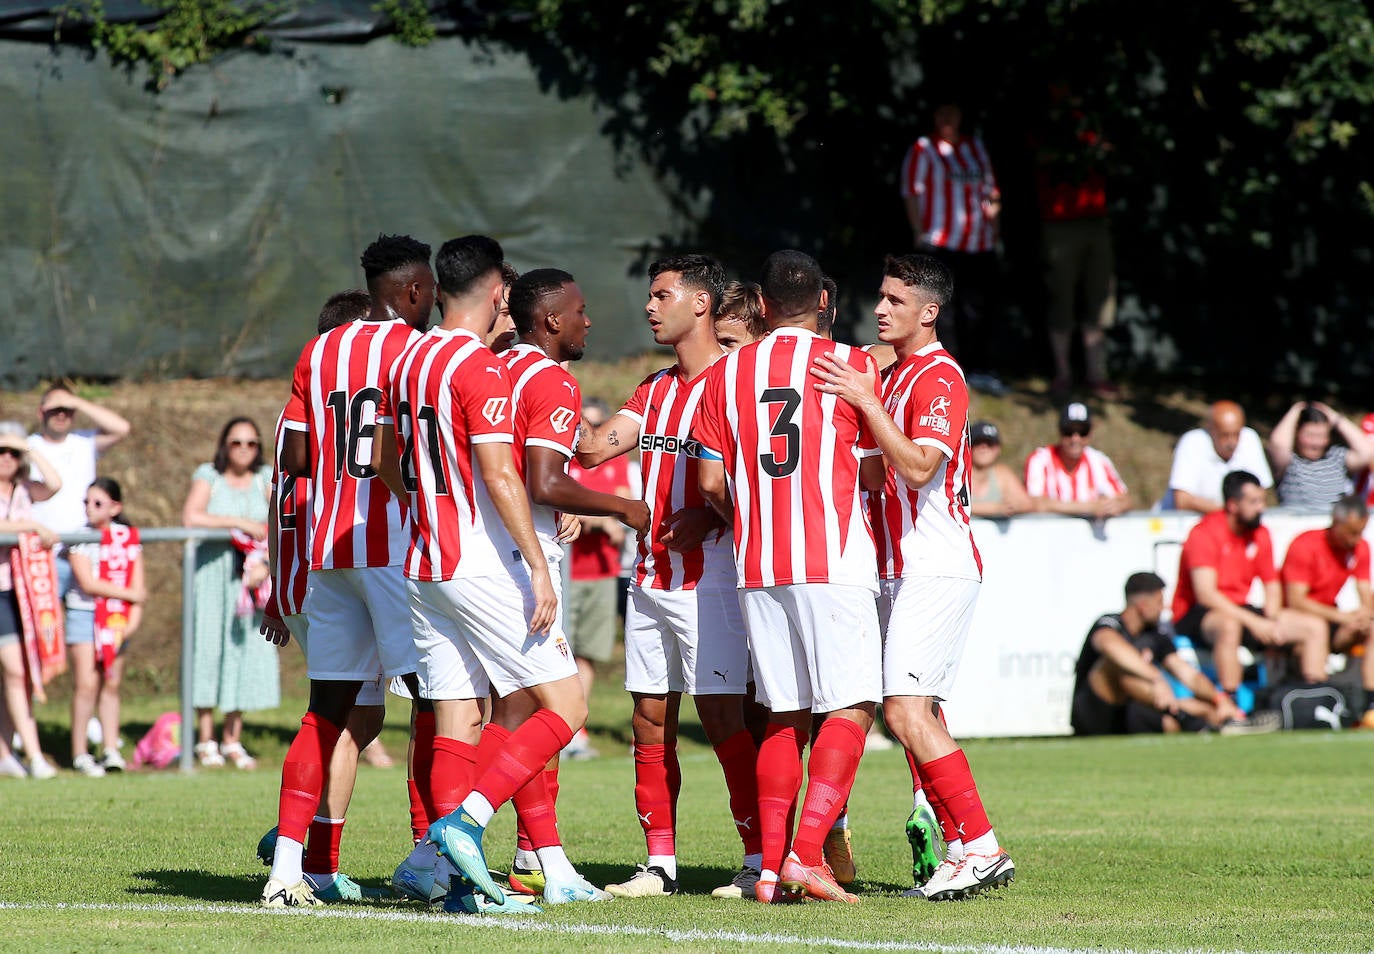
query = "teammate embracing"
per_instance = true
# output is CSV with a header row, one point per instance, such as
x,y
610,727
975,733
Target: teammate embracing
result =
x,y
929,564
805,563
683,628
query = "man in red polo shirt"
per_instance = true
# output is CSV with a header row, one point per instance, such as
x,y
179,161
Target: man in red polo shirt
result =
x,y
1222,556
1315,570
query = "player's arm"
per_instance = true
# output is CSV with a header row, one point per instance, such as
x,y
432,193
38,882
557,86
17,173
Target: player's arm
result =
x,y
295,453
616,436
272,627
915,463
1122,653
549,484
386,459
497,466
711,483
1200,686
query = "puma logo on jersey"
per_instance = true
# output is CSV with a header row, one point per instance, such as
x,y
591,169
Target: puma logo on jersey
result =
x,y
492,369
722,675
949,385
644,819
960,831
743,825
569,385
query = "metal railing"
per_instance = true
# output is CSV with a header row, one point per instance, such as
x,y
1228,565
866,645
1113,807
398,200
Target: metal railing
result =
x,y
190,537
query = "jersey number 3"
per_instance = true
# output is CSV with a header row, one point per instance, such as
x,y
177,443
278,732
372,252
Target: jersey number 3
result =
x,y
785,428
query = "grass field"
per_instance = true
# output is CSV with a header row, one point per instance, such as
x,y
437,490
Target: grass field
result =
x,y
1206,843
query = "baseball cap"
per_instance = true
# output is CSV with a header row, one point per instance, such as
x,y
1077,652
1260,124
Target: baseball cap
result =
x,y
12,428
1075,414
984,432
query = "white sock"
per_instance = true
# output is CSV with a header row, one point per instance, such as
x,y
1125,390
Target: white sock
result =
x,y
318,882
526,859
841,823
667,862
754,861
555,864
919,800
985,844
286,861
954,850
768,875
479,808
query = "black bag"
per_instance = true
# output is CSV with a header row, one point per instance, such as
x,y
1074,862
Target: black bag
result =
x,y
1312,706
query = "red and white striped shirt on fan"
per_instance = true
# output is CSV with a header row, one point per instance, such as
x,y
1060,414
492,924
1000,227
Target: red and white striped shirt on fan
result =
x,y
547,406
292,495
1094,478
446,395
925,531
355,521
953,179
665,408
793,455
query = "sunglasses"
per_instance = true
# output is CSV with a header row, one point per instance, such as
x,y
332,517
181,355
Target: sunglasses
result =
x,y
13,452
97,504
1079,431
54,411
243,443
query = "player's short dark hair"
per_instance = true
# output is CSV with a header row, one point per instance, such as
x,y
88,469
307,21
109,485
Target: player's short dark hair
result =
x,y
1348,507
508,273
1141,583
925,272
462,262
826,319
530,291
341,308
792,280
222,448
1310,414
1233,484
742,302
699,272
392,253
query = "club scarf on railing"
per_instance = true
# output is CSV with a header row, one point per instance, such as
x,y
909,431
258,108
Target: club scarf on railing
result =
x,y
120,552
40,612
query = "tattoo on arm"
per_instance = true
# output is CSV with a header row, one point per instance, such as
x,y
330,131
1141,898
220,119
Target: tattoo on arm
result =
x,y
613,439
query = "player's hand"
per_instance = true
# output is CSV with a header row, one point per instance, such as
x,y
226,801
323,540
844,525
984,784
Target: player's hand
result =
x,y
274,630
843,380
1163,696
569,527
255,529
637,517
686,529
545,601
1265,630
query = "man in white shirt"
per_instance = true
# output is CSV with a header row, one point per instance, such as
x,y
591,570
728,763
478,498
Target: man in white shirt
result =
x,y
73,455
1205,455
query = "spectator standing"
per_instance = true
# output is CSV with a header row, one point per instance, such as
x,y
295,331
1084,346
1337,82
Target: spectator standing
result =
x,y
235,670
1314,472
104,608
1317,567
1222,557
1076,235
594,571
1205,455
1072,478
994,489
17,493
954,206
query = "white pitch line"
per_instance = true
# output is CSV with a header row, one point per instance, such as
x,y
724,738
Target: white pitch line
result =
x,y
528,925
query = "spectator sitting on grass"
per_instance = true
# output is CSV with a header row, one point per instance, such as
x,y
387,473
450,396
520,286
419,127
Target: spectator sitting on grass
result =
x,y
1072,478
1313,471
1119,682
1206,454
994,488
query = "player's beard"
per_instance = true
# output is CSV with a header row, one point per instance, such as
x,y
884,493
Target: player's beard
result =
x,y
1251,524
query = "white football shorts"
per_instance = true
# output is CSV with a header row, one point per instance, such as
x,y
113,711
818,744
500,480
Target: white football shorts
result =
x,y
686,641
925,622
814,646
370,694
361,622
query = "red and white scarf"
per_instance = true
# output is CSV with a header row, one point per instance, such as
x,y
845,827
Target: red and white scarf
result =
x,y
120,552
251,598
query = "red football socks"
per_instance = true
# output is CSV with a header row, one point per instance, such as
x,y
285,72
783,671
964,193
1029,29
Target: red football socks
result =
x,y
322,851
654,802
526,752
422,813
738,759
949,780
779,779
536,819
302,775
450,780
830,775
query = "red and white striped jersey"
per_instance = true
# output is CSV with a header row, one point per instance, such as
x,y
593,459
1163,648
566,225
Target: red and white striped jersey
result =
x,y
665,408
792,454
925,531
292,495
547,408
447,394
355,521
953,179
1094,478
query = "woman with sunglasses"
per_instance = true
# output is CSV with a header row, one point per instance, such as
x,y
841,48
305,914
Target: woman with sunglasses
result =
x,y
17,494
106,597
235,670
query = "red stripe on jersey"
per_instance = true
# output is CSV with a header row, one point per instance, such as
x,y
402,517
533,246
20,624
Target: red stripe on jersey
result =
x,y
793,455
335,393
953,180
293,532
548,407
447,394
665,405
